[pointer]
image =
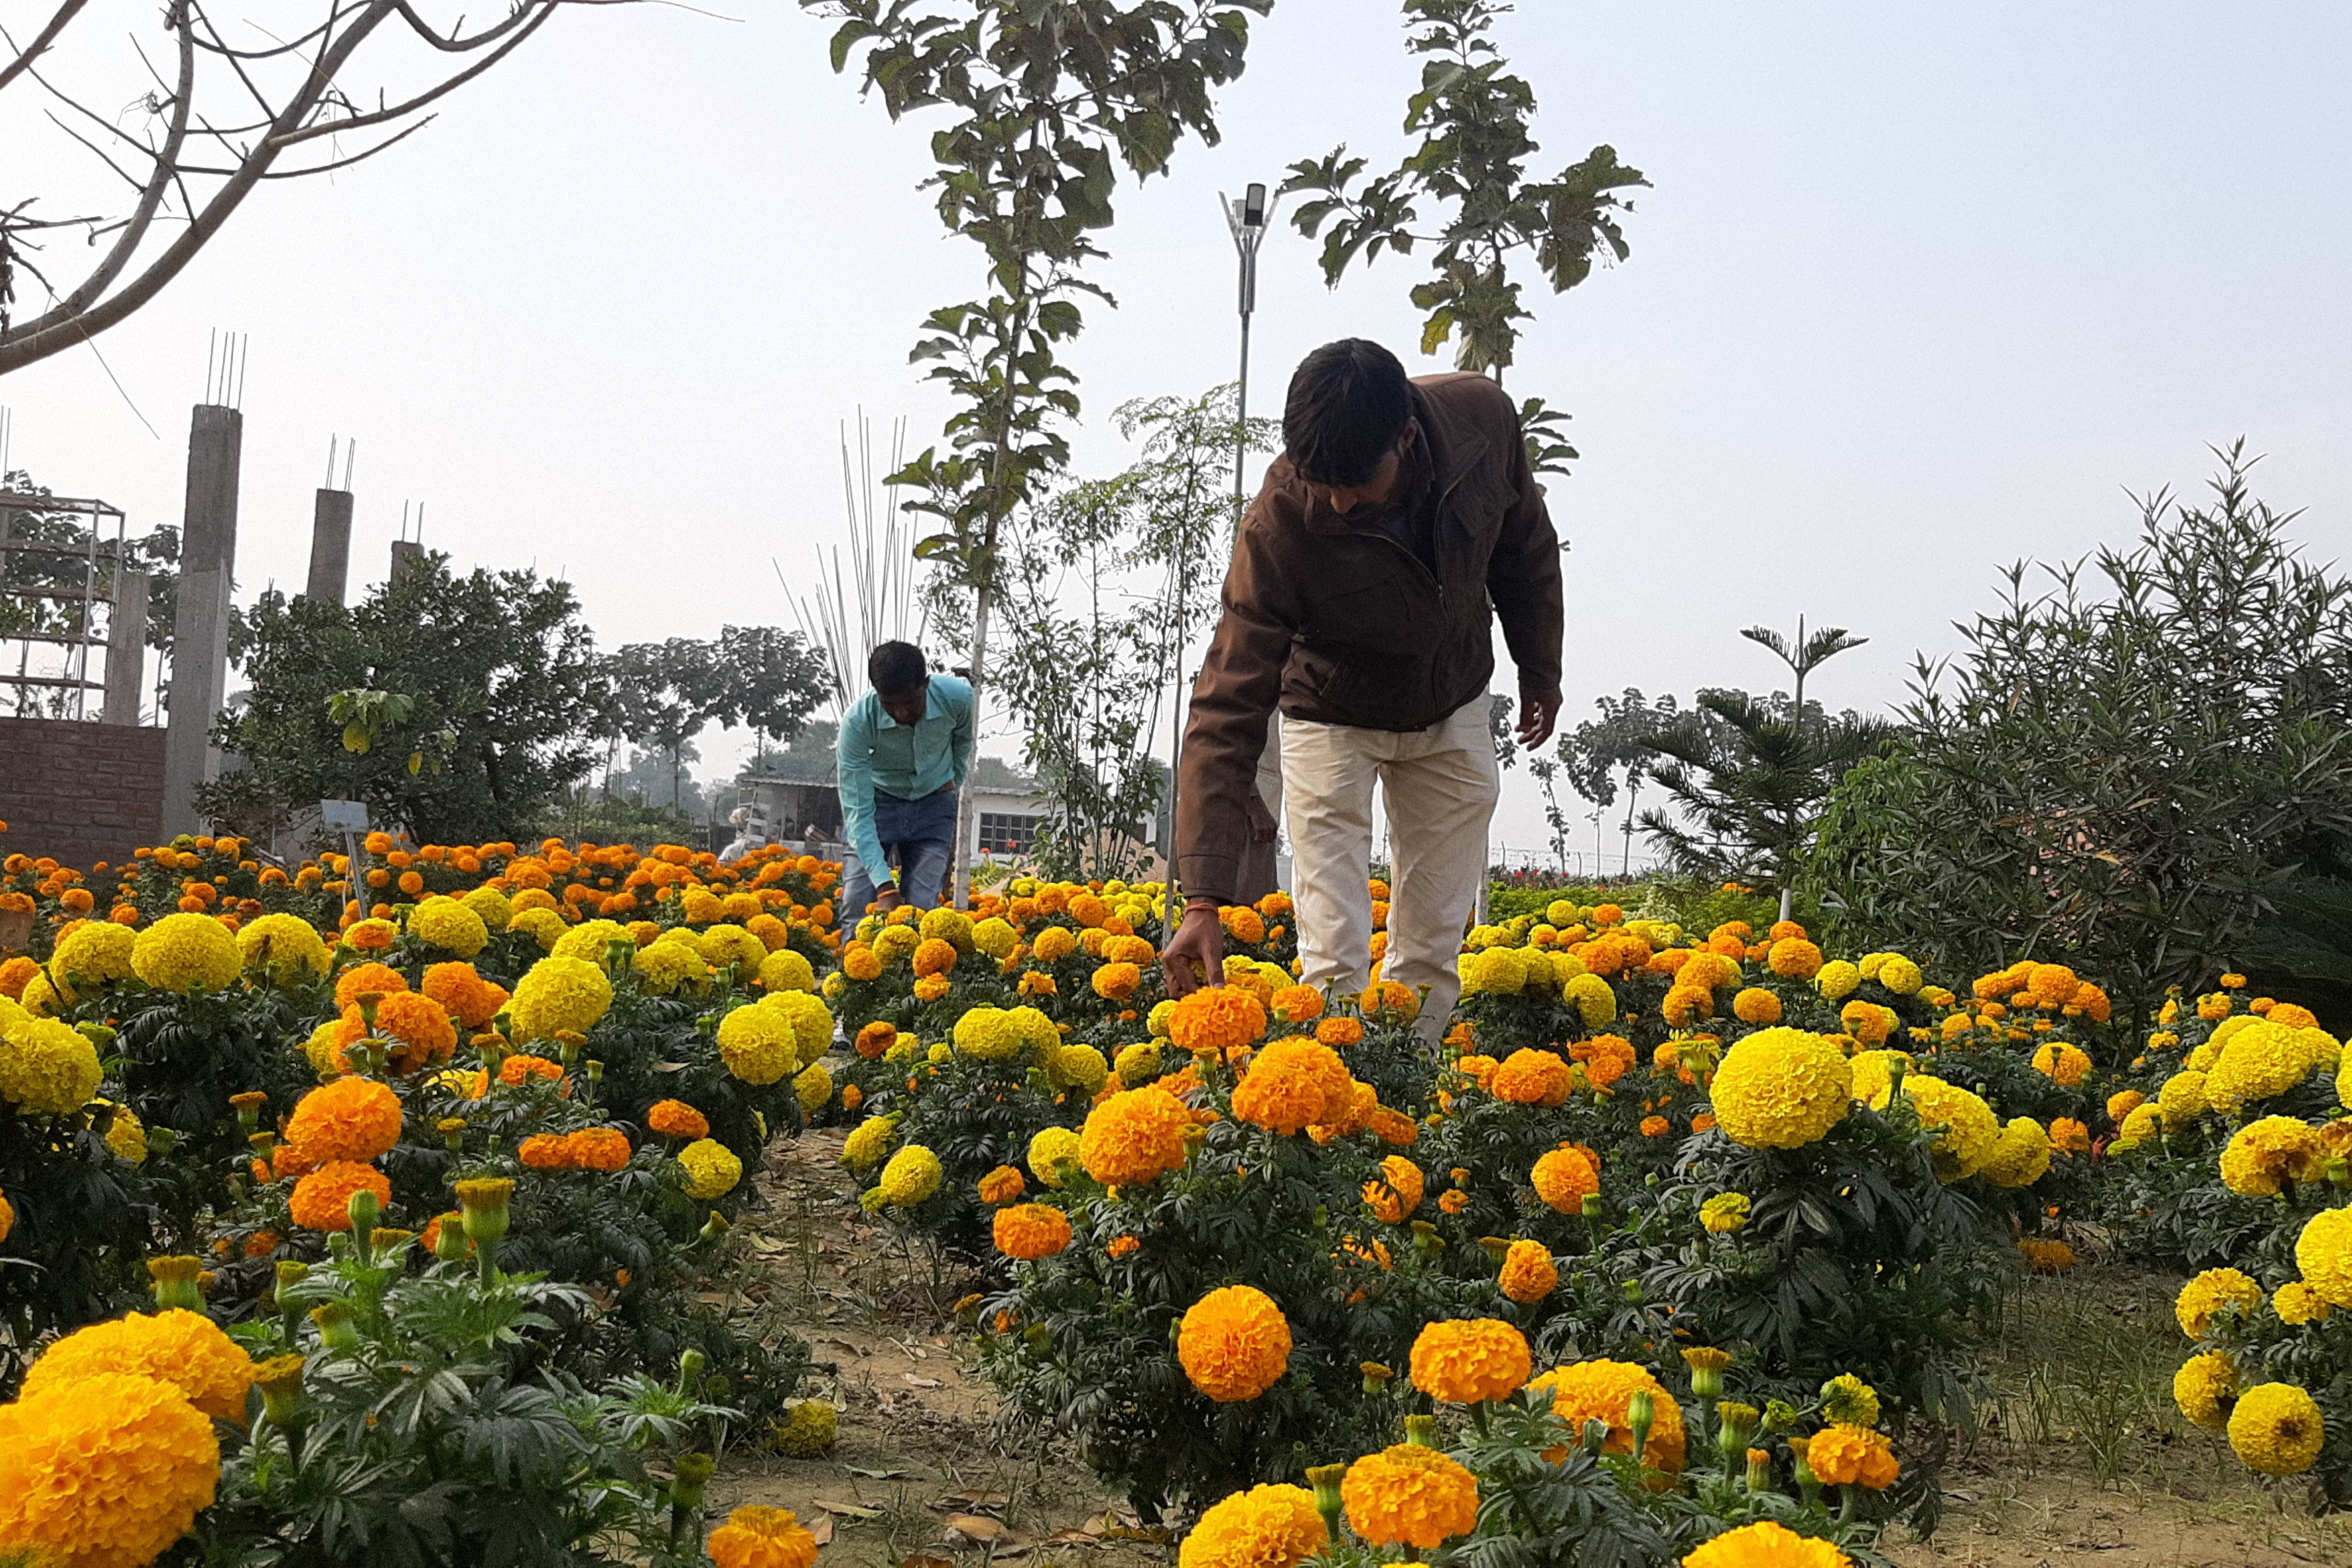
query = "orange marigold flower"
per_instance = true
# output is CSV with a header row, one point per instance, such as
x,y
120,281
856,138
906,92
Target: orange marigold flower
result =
x,y
109,1470
381,979
1030,1231
522,1066
676,1119
460,990
597,1148
1412,1496
544,1152
1234,1343
1002,1185
1564,1178
1655,1127
1264,1527
1842,1456
1397,1193
1793,958
1469,1361
1134,1135
1339,1033
1603,1391
876,1039
1217,1018
1529,1273
322,1199
355,1118
1124,1246
1298,1004
1293,1084
755,1537
418,1025
1533,1078
1116,982
187,1350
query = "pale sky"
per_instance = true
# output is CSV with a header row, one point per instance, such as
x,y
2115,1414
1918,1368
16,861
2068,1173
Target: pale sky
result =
x,y
1919,289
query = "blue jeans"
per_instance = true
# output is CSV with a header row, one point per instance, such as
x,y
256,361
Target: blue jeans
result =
x,y
918,836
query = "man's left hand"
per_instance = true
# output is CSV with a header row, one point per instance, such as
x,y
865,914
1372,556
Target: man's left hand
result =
x,y
1538,712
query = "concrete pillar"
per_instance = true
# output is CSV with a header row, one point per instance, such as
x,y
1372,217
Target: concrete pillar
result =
x,y
405,553
200,623
126,649
331,546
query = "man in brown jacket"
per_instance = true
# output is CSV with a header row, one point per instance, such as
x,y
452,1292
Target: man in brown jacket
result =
x,y
1400,522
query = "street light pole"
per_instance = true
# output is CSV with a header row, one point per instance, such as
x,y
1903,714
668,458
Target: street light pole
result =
x,y
1246,219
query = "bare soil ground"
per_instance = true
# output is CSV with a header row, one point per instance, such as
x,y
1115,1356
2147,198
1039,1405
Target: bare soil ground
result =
x,y
2076,1458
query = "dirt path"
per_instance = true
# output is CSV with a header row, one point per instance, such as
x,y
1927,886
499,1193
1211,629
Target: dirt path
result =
x,y
918,1477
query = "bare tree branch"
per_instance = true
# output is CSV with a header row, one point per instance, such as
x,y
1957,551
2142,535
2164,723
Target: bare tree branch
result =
x,y
41,41
302,88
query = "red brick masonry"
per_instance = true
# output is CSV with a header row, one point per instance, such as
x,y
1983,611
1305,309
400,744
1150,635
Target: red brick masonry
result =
x,y
79,791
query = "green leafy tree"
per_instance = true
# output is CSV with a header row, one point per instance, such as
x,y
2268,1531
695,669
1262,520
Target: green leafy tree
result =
x,y
1046,101
1596,754
1469,175
2139,764
504,692
663,693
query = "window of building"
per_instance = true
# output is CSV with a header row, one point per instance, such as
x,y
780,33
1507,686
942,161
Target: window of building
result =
x,y
1006,833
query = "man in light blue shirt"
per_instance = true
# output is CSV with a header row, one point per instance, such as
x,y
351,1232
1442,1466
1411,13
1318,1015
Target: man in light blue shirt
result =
x,y
905,749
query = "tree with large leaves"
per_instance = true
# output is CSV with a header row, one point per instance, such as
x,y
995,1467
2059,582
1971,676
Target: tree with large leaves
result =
x,y
1471,115
1044,101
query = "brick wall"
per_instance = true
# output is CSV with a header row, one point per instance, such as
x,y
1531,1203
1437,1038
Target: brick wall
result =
x,y
78,791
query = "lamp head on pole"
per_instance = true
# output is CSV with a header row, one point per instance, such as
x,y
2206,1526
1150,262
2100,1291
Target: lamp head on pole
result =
x,y
1253,208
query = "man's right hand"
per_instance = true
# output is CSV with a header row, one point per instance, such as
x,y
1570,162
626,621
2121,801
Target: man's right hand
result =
x,y
1197,950
889,898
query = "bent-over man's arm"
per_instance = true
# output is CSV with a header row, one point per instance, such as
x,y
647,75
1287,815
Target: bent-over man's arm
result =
x,y
1240,683
1523,578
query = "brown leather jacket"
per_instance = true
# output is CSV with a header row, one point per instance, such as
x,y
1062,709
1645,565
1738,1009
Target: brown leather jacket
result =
x,y
1341,623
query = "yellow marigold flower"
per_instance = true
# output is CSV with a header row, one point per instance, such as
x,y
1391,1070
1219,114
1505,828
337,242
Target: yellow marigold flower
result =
x,y
322,1198
1845,1456
1594,1000
1725,1213
1793,958
1873,1073
1765,1544
1837,979
1134,1136
1137,1065
2123,1102
560,995
449,925
2324,1253
992,1033
813,1088
911,1176
661,967
1290,1085
1031,1231
2263,1156
1052,1149
1967,1131
183,950
758,1042
1234,1343
1264,1527
785,970
1782,1089
108,1470
2297,1303
1080,1067
2276,1428
2208,1293
1397,1191
1564,1178
98,952
712,1169
1603,1391
1756,1005
1469,1361
1900,975
2259,1061
868,1141
2205,1386
727,944
1412,1496
2070,1136
47,1066
354,1118
808,1430
755,1537
2183,1098
1848,1401
185,1350
2019,1156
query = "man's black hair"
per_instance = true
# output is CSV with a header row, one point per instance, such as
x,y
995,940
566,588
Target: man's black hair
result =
x,y
897,667
1350,403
